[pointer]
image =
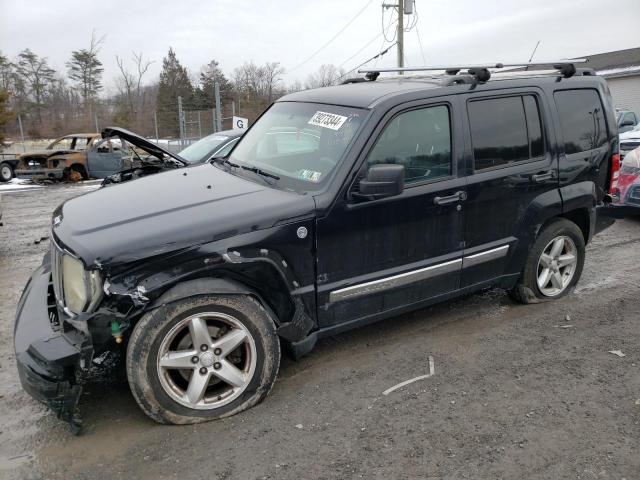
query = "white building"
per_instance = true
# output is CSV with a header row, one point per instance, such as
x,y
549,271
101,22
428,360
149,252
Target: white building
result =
x,y
622,71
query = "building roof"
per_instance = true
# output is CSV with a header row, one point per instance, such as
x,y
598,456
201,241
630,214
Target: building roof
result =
x,y
614,60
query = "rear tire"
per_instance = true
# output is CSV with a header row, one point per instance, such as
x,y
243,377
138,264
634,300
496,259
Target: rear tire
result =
x,y
554,264
6,172
228,357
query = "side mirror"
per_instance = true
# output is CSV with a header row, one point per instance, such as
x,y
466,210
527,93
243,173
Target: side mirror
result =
x,y
382,181
628,123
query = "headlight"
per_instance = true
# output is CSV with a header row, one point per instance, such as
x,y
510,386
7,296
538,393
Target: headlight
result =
x,y
81,288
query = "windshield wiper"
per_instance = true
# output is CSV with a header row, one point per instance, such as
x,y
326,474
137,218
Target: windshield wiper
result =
x,y
224,161
260,172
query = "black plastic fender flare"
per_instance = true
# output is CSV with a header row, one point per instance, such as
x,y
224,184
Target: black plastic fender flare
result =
x,y
295,330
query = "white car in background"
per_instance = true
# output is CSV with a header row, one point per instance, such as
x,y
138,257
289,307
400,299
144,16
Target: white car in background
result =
x,y
629,140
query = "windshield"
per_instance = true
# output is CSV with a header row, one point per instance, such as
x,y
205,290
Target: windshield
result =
x,y
300,143
203,148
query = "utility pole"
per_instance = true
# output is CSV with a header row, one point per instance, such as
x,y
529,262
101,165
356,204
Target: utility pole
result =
x,y
216,92
181,121
401,34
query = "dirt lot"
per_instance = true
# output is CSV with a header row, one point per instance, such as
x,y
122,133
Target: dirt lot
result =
x,y
518,391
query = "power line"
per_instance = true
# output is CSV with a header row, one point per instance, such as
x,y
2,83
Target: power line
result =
x,y
332,38
367,61
424,61
360,51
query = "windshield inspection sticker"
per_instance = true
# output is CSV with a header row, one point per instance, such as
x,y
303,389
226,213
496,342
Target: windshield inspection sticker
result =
x,y
310,175
327,120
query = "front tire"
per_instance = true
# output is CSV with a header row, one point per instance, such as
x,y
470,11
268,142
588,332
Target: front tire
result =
x,y
6,172
554,264
202,358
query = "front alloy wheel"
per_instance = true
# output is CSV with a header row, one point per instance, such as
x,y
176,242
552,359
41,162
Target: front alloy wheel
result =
x,y
202,358
206,360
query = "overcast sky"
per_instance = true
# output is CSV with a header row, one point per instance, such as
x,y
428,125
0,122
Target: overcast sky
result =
x,y
290,31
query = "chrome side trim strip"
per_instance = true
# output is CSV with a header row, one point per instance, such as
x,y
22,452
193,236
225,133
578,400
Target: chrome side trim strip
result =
x,y
387,283
485,256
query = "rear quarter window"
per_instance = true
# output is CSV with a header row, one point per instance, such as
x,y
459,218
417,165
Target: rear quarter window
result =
x,y
581,120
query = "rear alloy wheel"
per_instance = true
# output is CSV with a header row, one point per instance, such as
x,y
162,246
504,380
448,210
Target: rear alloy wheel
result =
x,y
6,172
554,263
556,266
202,358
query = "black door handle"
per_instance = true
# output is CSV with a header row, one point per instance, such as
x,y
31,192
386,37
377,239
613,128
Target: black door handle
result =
x,y
541,177
456,197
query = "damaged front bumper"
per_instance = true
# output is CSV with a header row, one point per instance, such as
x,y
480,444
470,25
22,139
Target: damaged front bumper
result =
x,y
50,360
40,173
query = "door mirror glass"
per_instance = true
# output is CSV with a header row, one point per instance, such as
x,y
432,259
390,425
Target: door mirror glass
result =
x,y
382,181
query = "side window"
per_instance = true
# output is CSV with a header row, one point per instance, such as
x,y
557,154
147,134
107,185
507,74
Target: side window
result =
x,y
62,144
420,140
581,119
505,130
628,118
80,144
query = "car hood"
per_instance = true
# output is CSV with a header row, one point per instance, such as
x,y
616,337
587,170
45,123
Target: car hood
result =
x,y
630,135
142,143
170,211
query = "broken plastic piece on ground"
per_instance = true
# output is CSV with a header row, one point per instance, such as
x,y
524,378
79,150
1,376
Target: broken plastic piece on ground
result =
x,y
411,380
618,353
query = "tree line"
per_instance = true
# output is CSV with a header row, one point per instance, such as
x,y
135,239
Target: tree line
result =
x,y
51,103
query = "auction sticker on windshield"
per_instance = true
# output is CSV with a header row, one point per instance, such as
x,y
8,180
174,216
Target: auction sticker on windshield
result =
x,y
327,120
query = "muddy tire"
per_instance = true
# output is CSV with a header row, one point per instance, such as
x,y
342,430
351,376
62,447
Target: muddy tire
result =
x,y
554,263
202,358
6,172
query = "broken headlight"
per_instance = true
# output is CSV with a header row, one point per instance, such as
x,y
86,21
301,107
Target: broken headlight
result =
x,y
81,289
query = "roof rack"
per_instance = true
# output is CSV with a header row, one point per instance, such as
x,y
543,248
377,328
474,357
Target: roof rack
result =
x,y
481,72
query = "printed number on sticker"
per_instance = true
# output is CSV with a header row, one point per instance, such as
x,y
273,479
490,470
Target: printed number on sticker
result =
x,y
327,120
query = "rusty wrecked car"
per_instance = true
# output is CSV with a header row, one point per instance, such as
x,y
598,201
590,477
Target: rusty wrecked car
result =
x,y
66,158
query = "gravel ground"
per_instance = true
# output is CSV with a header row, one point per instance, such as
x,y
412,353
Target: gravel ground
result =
x,y
517,391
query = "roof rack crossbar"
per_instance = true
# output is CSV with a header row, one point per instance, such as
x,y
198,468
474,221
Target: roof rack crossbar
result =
x,y
457,68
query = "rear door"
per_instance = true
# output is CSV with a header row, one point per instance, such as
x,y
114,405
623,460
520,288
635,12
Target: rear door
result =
x,y
510,164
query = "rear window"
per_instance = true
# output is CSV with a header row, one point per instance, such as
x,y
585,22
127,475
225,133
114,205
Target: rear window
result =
x,y
505,130
581,119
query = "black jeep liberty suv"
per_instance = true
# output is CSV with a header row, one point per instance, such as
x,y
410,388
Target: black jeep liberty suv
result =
x,y
340,206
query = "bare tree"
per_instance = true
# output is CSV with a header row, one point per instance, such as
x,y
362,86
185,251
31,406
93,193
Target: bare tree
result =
x,y
272,73
130,85
325,76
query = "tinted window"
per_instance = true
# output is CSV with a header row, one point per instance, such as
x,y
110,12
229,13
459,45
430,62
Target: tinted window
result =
x,y
533,126
498,131
581,119
420,140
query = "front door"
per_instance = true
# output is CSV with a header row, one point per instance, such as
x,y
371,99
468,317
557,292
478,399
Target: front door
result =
x,y
375,257
106,158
